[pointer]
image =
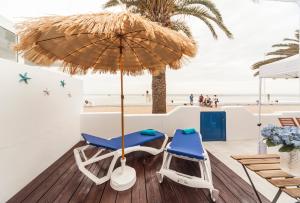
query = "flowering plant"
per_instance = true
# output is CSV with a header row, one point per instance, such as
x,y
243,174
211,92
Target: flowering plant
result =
x,y
288,137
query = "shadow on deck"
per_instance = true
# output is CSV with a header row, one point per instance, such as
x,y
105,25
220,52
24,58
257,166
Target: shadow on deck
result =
x,y
63,182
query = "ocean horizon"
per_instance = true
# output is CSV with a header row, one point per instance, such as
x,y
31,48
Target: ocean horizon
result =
x,y
180,99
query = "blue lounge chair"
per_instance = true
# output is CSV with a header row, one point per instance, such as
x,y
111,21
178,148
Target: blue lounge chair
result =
x,y
188,147
133,142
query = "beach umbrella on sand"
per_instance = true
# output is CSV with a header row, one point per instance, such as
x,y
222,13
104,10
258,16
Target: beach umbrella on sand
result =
x,y
105,43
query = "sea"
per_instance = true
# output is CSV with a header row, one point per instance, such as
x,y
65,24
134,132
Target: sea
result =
x,y
181,99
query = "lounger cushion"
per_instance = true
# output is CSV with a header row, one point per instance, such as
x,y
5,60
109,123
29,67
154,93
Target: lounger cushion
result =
x,y
189,145
149,132
132,139
189,131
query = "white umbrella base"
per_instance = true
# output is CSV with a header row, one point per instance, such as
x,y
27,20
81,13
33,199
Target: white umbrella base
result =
x,y
123,177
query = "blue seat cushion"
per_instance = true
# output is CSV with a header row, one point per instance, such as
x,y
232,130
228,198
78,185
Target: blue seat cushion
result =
x,y
132,139
189,145
189,131
149,132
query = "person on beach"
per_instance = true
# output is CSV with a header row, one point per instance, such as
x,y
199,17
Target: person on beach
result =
x,y
204,101
191,99
148,97
216,101
201,100
208,101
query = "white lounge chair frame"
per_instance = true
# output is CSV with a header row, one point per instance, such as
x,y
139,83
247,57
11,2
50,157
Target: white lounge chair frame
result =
x,y
205,181
82,160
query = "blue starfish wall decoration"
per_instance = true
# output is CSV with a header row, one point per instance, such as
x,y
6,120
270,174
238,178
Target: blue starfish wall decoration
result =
x,y
24,78
62,83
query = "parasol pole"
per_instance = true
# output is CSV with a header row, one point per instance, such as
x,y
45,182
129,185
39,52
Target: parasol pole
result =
x,y
122,96
123,177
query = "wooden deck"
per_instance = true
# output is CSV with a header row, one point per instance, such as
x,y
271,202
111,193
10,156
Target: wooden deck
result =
x,y
63,182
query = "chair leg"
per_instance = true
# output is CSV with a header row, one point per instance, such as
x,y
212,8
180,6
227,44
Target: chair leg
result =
x,y
159,175
277,196
207,175
165,165
169,159
82,163
252,184
201,170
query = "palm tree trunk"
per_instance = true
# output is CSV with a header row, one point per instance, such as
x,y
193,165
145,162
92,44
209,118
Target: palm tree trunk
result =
x,y
159,93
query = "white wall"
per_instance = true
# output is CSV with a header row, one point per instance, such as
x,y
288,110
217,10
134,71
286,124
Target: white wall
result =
x,y
35,130
6,24
240,123
108,125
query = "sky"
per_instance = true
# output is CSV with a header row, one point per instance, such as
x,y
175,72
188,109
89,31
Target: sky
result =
x,y
220,67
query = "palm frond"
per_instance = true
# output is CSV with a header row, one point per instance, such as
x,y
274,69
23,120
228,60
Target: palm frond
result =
x,y
202,13
284,45
111,3
210,26
267,61
179,25
207,3
283,52
127,3
291,40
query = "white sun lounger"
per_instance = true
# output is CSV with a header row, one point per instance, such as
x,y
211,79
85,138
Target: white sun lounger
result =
x,y
189,147
133,142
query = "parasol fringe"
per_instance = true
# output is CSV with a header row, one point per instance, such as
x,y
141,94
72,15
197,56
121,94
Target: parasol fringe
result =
x,y
34,33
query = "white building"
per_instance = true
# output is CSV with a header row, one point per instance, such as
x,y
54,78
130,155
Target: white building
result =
x,y
7,39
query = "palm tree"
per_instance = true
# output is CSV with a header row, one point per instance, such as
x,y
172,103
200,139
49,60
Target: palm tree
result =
x,y
288,48
166,12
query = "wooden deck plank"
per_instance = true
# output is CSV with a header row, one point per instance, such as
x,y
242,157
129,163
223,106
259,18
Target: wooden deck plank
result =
x,y
274,174
285,182
239,195
139,193
170,189
263,167
85,186
259,161
22,194
109,194
152,185
190,168
56,189
40,191
255,156
293,192
125,196
68,191
242,187
96,191
73,186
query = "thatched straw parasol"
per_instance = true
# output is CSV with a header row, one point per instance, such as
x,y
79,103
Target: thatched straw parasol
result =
x,y
104,43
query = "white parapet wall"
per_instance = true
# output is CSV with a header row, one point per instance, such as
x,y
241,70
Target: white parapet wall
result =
x,y
35,128
240,123
108,125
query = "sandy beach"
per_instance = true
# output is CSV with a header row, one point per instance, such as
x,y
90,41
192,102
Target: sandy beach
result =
x,y
148,109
